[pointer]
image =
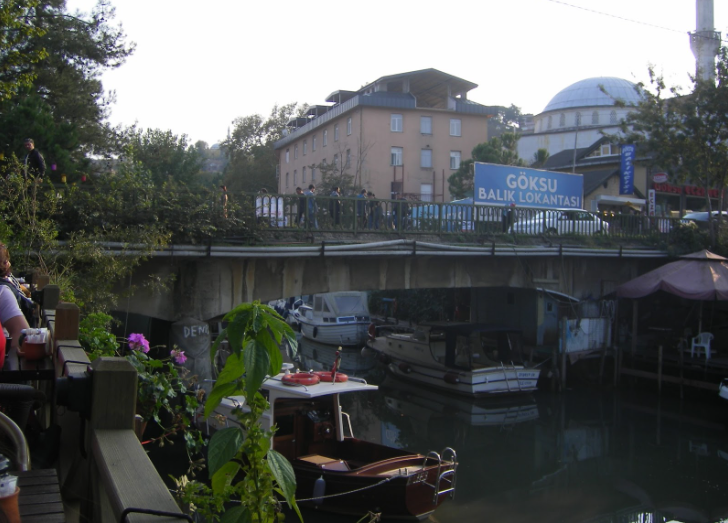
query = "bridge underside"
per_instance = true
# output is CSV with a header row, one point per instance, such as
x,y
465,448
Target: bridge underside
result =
x,y
205,288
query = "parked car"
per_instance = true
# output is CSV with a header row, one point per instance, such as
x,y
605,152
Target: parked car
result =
x,y
701,218
563,221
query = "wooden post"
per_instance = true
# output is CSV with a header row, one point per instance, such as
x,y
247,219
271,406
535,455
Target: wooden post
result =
x,y
68,316
659,368
40,281
51,297
113,393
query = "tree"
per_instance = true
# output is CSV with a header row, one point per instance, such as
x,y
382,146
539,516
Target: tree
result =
x,y
16,57
686,135
346,171
65,108
540,158
499,150
250,149
166,155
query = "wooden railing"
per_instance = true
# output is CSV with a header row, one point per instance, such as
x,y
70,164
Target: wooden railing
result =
x,y
104,470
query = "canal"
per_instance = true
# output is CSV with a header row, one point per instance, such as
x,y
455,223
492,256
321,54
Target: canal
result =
x,y
621,454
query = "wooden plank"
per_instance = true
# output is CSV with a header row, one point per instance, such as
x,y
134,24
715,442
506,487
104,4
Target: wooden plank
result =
x,y
129,478
114,392
68,316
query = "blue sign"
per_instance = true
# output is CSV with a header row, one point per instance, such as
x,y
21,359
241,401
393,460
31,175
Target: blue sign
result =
x,y
506,184
626,172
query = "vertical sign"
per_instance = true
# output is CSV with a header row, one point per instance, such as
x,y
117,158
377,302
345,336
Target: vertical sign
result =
x,y
626,176
651,202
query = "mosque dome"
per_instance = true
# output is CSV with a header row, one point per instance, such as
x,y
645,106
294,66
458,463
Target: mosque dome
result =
x,y
588,93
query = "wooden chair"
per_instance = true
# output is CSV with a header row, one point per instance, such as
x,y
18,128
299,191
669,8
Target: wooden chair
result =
x,y
701,341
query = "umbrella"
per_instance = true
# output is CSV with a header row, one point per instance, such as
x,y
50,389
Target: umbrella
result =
x,y
698,276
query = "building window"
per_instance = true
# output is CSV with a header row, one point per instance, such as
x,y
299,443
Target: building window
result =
x,y
313,143
348,126
577,119
303,175
326,137
305,146
295,177
313,174
348,158
287,179
336,132
288,155
454,159
550,121
396,156
425,124
295,151
595,118
613,117
396,123
426,158
455,127
426,192
562,120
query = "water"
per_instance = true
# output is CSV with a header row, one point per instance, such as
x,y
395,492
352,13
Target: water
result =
x,y
583,455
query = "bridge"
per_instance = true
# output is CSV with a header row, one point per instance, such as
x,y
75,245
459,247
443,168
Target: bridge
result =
x,y
210,280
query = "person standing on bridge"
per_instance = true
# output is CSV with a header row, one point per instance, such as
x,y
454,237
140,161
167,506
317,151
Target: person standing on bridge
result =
x,y
312,207
301,207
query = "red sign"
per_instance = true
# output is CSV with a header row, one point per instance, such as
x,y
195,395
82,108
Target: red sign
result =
x,y
659,177
690,190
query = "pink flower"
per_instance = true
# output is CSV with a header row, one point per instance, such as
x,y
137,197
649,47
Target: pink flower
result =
x,y
178,356
138,342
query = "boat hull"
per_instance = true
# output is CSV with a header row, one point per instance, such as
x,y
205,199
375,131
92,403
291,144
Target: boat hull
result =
x,y
344,334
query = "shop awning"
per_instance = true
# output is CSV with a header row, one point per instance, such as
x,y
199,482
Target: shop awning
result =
x,y
634,203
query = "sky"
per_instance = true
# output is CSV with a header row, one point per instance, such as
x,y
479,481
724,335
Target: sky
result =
x,y
200,65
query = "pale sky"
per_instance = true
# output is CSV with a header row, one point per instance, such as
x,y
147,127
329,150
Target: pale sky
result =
x,y
200,65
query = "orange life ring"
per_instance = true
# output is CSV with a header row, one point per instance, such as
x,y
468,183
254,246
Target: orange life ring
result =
x,y
300,378
325,376
372,330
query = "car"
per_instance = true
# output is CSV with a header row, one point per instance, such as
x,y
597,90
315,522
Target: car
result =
x,y
561,221
700,219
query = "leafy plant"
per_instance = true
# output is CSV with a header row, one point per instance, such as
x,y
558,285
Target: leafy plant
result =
x,y
242,464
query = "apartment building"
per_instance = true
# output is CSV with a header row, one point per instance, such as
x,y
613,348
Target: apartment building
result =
x,y
402,134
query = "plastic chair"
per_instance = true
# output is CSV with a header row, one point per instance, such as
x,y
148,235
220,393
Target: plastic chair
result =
x,y
701,341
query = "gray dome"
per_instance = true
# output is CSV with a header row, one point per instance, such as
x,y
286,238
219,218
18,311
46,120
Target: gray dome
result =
x,y
587,93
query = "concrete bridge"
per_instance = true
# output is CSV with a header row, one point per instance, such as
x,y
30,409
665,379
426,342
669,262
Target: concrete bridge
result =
x,y
209,281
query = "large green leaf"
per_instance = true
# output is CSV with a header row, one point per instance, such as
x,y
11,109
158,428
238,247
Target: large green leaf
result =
x,y
216,396
257,363
283,472
223,446
274,352
233,370
237,514
224,476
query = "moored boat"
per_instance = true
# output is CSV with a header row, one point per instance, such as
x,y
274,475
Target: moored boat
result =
x,y
464,358
337,472
335,318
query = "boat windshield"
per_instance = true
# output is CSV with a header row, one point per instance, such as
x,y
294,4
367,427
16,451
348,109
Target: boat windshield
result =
x,y
347,305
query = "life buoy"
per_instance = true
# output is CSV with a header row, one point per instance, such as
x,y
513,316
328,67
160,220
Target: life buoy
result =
x,y
372,331
300,378
325,376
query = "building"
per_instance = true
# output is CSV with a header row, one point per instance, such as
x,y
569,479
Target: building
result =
x,y
402,134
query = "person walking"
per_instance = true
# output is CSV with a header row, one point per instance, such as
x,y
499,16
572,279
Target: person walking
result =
x,y
34,163
361,208
310,195
335,205
301,206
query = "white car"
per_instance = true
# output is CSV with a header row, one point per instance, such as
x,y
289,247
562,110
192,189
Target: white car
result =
x,y
568,221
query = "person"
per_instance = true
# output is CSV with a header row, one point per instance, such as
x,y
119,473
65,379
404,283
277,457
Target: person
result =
x,y
361,208
310,197
34,163
504,217
375,211
402,212
11,316
512,214
301,206
335,205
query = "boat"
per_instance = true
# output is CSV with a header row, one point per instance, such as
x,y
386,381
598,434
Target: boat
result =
x,y
340,473
464,358
723,389
336,318
316,356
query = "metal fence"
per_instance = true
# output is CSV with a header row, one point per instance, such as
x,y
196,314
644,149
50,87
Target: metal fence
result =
x,y
354,215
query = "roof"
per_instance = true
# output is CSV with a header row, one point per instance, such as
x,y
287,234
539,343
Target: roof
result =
x,y
588,93
429,86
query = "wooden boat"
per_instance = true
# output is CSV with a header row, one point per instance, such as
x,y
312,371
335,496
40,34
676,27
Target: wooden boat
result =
x,y
464,358
336,318
340,473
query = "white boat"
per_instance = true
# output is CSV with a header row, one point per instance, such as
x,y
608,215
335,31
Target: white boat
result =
x,y
464,358
336,318
723,389
340,473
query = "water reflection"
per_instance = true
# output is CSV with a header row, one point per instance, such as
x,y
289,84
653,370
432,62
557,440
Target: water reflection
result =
x,y
577,456
316,356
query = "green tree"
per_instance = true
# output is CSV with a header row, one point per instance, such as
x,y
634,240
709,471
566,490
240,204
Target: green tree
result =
x,y
540,158
499,150
252,158
165,155
16,57
686,135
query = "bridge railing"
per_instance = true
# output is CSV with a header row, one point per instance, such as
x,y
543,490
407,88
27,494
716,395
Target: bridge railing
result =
x,y
358,215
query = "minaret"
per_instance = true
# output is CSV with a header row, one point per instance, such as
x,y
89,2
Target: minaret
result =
x,y
705,41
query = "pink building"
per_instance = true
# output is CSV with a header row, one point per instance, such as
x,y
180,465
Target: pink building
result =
x,y
404,133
